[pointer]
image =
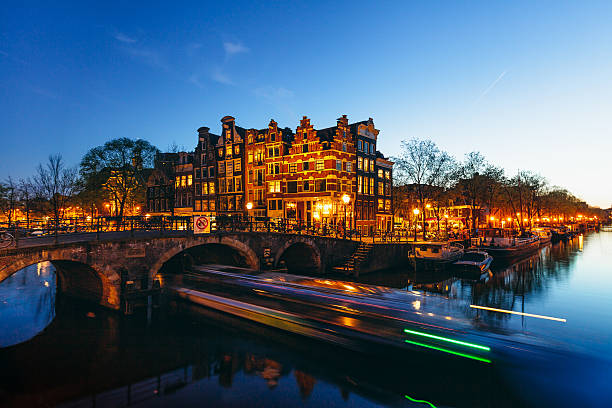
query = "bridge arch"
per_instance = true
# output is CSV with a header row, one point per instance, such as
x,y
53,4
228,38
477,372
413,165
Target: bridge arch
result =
x,y
249,256
300,254
75,277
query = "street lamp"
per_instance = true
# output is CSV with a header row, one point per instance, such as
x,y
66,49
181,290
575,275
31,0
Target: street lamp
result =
x,y
416,219
346,199
249,205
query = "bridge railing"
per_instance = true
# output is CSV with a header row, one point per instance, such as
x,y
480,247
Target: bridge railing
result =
x,y
35,229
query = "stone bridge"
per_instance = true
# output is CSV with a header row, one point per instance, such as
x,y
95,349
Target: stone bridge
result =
x,y
103,268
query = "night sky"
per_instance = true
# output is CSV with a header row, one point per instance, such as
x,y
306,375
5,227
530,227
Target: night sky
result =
x,y
528,84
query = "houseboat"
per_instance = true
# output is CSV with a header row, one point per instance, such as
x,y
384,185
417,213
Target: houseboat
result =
x,y
503,246
436,253
544,234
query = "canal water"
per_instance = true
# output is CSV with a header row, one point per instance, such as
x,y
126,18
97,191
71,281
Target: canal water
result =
x,y
57,351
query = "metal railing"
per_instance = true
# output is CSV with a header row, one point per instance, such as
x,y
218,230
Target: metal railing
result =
x,y
22,232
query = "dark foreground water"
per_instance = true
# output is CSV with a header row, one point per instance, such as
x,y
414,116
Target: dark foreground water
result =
x,y
57,351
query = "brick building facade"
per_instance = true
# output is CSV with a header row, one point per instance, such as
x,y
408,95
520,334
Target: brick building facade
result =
x,y
332,176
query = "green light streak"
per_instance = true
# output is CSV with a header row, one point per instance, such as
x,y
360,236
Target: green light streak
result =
x,y
420,401
484,360
463,343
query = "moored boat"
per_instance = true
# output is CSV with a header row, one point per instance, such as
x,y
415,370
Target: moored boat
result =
x,y
504,247
544,234
437,252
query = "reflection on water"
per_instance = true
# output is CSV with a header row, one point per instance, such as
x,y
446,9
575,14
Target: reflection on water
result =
x,y
27,303
568,280
103,359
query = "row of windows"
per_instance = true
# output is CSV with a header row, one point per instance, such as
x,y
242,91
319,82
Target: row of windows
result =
x,y
207,188
183,181
205,205
275,204
384,174
228,150
365,164
204,172
384,205
230,185
365,185
261,138
230,166
159,205
366,147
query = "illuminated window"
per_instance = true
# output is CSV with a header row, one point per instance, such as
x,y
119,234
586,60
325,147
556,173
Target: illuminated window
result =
x,y
381,204
387,174
204,188
320,165
380,173
177,181
292,167
236,150
221,152
237,165
198,205
359,163
371,166
211,188
228,150
238,183
221,167
359,182
381,189
250,158
183,181
366,164
349,166
274,186
211,205
190,179
371,186
387,205
205,205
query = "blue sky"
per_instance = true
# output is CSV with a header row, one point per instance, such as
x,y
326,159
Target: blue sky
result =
x,y
528,84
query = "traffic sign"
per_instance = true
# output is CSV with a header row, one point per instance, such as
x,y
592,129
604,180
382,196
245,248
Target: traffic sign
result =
x,y
201,224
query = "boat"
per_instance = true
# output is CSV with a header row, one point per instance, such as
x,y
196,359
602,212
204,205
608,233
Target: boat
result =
x,y
437,252
544,234
504,247
560,234
474,261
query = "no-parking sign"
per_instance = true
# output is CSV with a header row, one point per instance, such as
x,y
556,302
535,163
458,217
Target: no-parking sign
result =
x,y
201,224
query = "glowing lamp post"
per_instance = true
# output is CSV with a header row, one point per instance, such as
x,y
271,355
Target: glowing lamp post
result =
x,y
416,219
345,199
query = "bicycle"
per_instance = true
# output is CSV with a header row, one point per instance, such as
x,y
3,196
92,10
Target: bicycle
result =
x,y
6,239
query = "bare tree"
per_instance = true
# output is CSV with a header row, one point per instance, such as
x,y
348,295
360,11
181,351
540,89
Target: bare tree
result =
x,y
423,165
56,183
8,199
27,197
